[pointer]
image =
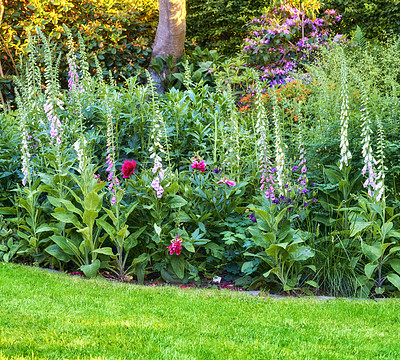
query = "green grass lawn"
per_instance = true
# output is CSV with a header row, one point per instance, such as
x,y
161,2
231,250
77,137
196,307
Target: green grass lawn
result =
x,y
53,316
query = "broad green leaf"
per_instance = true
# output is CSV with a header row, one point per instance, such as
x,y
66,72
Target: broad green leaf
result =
x,y
266,274
358,226
247,267
168,277
54,201
71,207
290,284
369,269
140,258
93,202
386,227
395,264
45,227
394,249
89,217
259,238
67,217
57,252
91,270
8,211
393,233
311,267
109,229
312,283
178,264
61,241
111,215
373,252
141,271
131,241
157,229
176,201
394,279
188,246
85,232
3,248
105,251
301,253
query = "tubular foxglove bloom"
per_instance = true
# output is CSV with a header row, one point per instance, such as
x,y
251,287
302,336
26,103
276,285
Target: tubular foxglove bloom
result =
x,y
73,77
263,148
369,160
25,154
79,146
279,149
380,179
302,180
54,122
345,154
110,158
231,143
158,133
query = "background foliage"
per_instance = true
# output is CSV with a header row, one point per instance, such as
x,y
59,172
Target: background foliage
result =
x,y
118,32
377,18
220,24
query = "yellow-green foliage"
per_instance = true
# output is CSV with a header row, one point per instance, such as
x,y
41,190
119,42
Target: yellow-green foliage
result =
x,y
119,32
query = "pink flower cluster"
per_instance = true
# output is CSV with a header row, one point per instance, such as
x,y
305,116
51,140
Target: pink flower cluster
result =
x,y
225,180
55,124
176,246
160,174
198,163
268,179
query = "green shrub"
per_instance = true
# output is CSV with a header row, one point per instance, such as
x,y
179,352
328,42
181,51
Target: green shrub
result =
x,y
119,32
377,18
220,24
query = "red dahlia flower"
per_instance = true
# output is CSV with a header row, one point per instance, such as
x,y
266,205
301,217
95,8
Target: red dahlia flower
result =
x,y
128,167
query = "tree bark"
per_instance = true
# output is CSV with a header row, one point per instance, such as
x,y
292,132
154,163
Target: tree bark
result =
x,y
170,35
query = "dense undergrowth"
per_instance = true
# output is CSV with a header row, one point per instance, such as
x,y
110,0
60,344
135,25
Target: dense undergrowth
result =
x,y
291,188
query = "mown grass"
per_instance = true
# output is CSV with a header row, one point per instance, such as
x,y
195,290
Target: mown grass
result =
x,y
54,316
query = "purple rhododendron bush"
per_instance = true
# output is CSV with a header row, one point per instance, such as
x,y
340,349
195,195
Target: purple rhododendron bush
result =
x,y
292,190
286,38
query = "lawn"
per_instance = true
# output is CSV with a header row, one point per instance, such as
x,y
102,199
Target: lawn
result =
x,y
54,316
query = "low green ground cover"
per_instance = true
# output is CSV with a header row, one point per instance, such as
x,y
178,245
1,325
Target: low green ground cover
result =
x,y
54,316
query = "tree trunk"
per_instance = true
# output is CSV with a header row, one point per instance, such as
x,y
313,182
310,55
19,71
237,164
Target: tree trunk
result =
x,y
170,36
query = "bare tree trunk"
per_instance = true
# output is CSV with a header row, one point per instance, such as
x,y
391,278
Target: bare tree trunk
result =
x,y
170,36
1,10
